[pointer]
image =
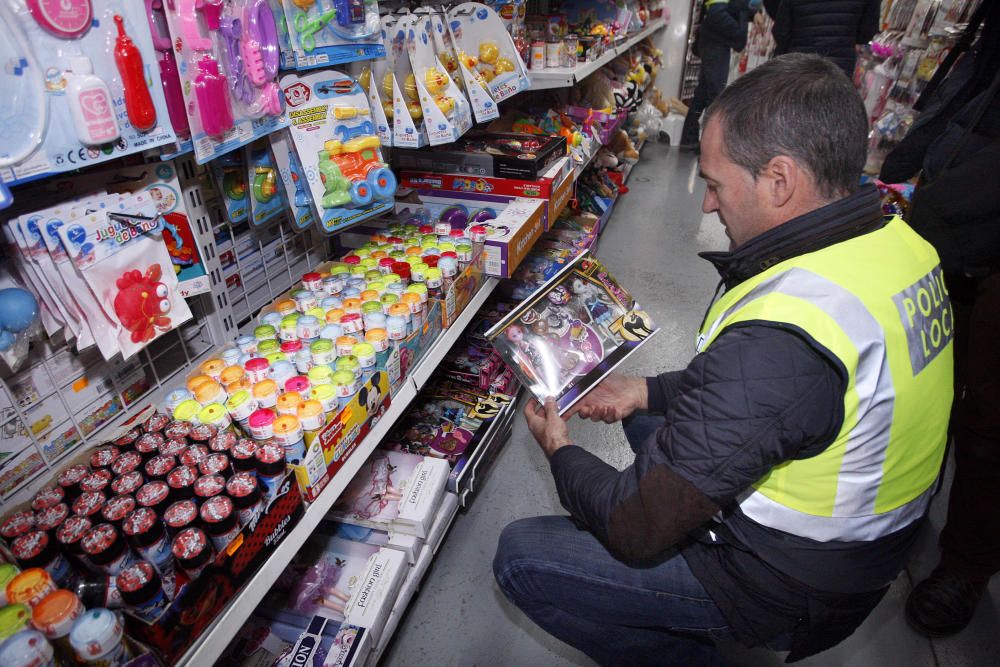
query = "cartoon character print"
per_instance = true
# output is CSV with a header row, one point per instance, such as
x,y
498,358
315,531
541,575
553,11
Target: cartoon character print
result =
x,y
142,304
598,305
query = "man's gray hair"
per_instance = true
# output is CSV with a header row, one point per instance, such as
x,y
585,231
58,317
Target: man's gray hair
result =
x,y
802,106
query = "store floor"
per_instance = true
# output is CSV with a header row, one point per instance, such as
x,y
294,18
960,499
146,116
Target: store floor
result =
x,y
651,245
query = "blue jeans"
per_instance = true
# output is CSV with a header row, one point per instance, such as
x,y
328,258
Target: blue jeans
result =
x,y
564,580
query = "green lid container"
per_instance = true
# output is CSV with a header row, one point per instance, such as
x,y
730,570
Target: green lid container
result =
x,y
187,411
264,332
13,619
349,362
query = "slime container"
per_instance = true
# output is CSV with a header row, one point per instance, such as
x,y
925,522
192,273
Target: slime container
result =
x,y
141,588
97,636
220,521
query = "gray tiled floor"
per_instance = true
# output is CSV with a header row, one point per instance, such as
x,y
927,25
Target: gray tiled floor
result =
x,y
460,618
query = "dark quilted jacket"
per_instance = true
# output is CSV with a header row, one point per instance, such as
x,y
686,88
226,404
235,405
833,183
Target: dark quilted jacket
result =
x,y
763,393
830,28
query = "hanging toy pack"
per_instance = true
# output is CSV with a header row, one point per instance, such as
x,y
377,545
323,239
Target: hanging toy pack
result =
x,y
334,137
331,32
25,274
228,59
75,86
399,84
471,82
120,254
486,51
292,180
379,100
230,176
447,115
266,196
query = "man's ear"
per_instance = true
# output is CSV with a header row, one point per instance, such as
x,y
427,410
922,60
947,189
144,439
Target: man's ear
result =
x,y
783,177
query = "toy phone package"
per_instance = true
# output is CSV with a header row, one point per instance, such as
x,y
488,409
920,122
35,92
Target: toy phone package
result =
x,y
447,115
486,51
229,59
334,137
571,332
104,329
292,180
120,253
230,176
331,32
399,85
267,199
75,89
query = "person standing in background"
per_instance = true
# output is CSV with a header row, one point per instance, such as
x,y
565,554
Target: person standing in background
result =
x,y
830,28
723,28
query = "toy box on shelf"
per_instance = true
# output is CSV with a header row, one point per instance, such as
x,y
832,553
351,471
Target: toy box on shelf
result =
x,y
554,187
519,156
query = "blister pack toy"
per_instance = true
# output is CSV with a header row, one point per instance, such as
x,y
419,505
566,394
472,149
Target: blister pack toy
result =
x,y
399,85
376,87
486,52
119,252
228,63
447,114
331,32
264,192
48,314
75,91
292,180
230,176
333,134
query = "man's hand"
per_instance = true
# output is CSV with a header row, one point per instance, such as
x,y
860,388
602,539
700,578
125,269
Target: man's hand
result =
x,y
614,399
546,425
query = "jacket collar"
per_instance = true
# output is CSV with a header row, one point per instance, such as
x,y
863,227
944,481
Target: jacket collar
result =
x,y
838,221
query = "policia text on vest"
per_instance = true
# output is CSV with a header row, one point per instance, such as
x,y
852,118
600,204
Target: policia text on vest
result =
x,y
925,310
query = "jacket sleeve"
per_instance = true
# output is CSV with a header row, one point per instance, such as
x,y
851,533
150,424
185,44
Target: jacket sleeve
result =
x,y
868,25
760,395
727,23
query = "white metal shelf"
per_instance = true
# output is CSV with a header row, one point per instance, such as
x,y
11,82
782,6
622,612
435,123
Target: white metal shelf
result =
x,y
213,641
564,77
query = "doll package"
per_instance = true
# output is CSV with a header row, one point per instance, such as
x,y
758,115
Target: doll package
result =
x,y
330,32
334,138
75,89
119,251
447,114
570,333
228,59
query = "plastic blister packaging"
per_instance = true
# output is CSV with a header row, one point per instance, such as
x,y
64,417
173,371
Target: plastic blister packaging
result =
x,y
88,60
486,52
264,192
121,256
399,84
292,179
19,320
331,32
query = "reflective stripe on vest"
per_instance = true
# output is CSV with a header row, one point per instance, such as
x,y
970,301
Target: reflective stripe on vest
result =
x,y
844,493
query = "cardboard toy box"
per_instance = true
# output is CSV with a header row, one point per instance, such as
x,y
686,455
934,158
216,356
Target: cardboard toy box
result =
x,y
523,156
554,188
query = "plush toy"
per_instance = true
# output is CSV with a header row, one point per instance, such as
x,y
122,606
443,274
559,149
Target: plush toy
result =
x,y
142,302
622,145
605,158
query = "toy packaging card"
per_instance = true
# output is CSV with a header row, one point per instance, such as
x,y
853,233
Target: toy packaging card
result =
x,y
447,115
227,58
408,130
230,176
486,51
380,85
334,138
482,105
330,32
267,200
75,87
292,179
119,252
571,332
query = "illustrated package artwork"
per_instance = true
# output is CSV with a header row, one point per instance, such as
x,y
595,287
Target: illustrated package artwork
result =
x,y
571,332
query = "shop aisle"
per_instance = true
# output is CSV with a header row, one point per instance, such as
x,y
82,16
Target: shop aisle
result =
x,y
461,618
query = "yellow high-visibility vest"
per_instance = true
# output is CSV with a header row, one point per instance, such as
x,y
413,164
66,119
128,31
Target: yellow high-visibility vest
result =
x,y
879,304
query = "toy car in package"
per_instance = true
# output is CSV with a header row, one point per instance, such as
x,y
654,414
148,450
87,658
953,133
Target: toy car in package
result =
x,y
334,137
570,333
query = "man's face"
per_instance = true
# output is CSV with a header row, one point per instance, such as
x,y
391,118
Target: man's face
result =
x,y
731,191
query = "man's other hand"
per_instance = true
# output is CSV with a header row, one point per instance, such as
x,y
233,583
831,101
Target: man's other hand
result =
x,y
614,399
546,425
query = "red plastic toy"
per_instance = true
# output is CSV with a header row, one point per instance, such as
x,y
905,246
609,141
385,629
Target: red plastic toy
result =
x,y
142,302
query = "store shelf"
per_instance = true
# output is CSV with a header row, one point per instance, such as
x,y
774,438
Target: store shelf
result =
x,y
564,77
213,641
